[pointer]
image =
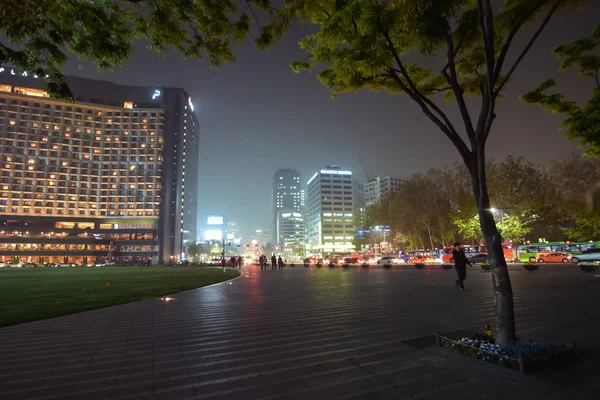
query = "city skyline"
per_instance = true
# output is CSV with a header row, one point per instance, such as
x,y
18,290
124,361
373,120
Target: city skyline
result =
x,y
393,137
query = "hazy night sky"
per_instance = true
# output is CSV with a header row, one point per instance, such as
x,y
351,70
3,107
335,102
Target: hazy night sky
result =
x,y
257,116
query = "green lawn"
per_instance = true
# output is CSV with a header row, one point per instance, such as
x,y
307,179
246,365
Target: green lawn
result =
x,y
30,294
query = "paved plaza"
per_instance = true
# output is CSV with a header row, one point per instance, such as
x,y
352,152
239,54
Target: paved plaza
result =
x,y
304,333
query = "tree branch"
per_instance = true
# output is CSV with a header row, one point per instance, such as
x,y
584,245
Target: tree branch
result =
x,y
486,22
597,79
254,14
450,133
526,49
513,31
452,79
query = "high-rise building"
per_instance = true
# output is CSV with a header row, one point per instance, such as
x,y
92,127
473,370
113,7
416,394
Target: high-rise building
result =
x,y
359,205
291,232
261,237
376,189
114,172
330,208
288,197
233,232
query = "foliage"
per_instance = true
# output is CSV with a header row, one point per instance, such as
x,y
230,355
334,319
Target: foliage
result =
x,y
534,203
504,355
589,266
194,249
485,266
39,36
582,122
514,227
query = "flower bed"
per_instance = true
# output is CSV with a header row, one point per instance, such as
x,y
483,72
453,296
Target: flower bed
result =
x,y
332,265
486,266
523,355
365,265
319,265
419,265
531,266
447,265
387,266
588,266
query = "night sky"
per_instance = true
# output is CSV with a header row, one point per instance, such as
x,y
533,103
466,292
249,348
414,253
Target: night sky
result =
x,y
257,116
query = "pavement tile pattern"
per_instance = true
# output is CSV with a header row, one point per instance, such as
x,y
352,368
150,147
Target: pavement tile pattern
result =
x,y
299,333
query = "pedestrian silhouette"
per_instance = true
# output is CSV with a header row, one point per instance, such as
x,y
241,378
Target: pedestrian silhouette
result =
x,y
460,263
239,261
280,262
273,262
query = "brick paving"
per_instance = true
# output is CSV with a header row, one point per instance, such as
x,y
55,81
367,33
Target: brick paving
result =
x,y
301,334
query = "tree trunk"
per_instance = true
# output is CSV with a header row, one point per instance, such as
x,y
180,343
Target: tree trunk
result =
x,y
503,294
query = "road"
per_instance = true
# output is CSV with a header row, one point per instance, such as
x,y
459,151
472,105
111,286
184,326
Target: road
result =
x,y
293,333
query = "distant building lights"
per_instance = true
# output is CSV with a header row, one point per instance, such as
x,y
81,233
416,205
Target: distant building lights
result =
x,y
156,94
335,172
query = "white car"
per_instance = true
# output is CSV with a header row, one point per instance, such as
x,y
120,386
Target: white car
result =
x,y
65,265
587,255
388,260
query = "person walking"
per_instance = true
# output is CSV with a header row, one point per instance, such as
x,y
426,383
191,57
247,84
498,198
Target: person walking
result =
x,y
460,263
280,262
273,262
239,262
261,261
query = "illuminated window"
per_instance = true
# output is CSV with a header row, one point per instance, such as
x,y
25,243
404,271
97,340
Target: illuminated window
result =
x,y
31,92
128,104
5,88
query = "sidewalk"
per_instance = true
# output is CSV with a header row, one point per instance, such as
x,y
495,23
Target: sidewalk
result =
x,y
301,334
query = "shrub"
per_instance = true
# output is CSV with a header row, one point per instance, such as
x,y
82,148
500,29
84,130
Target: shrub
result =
x,y
531,266
447,265
346,265
292,265
319,265
486,266
365,265
332,265
588,266
419,265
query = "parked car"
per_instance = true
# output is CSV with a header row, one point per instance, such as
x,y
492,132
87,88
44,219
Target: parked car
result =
x,y
479,258
388,260
65,265
555,257
310,260
351,260
587,255
29,265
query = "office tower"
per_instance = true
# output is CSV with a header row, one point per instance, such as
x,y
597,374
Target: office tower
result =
x,y
330,208
288,197
114,172
376,189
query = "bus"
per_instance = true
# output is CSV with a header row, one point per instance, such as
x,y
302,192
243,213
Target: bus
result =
x,y
421,256
529,252
471,251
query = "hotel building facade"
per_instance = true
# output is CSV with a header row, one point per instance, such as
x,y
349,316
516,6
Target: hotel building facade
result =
x,y
112,174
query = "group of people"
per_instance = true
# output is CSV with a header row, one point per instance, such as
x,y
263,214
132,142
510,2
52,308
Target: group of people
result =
x,y
235,261
276,262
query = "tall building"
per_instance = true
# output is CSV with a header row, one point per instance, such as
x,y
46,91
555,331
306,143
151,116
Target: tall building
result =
x,y
288,197
329,209
261,237
233,232
376,189
359,205
113,172
291,232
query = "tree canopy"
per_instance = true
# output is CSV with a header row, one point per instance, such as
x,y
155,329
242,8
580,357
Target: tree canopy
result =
x,y
39,36
432,209
582,122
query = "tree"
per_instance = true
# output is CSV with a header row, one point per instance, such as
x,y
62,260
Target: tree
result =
x,y
582,122
376,44
194,250
36,36
514,227
469,228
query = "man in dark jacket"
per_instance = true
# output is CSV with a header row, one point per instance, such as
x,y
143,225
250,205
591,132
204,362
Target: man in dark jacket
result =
x,y
460,263
273,262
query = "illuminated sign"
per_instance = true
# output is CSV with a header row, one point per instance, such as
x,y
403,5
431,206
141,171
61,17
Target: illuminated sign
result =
x,y
156,94
214,220
190,103
335,172
230,236
213,234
